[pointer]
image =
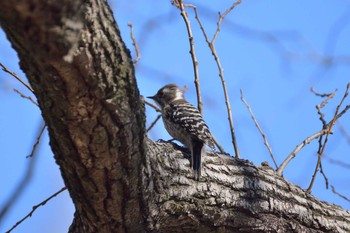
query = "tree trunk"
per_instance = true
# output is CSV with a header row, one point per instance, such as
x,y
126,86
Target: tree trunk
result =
x,y
120,181
83,78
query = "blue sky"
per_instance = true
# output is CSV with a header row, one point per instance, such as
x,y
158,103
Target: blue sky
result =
x,y
273,50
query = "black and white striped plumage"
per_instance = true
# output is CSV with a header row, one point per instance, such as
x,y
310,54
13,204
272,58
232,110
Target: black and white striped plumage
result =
x,y
184,123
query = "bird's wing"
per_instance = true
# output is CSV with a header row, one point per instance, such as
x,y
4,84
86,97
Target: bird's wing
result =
x,y
190,119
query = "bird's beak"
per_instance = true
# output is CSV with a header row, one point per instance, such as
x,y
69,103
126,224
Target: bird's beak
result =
x,y
151,97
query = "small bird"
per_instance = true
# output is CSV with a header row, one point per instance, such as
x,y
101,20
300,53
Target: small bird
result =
x,y
184,123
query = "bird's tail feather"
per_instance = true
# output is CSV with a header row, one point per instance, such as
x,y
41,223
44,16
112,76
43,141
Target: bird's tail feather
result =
x,y
197,158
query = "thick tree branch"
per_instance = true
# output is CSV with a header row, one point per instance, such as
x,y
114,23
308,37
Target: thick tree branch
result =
x,y
232,196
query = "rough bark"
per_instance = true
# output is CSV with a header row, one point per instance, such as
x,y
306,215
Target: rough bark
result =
x,y
232,196
119,181
83,78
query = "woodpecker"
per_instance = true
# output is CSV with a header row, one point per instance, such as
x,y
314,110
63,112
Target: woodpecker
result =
x,y
184,123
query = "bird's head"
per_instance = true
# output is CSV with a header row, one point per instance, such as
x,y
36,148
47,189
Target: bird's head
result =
x,y
167,95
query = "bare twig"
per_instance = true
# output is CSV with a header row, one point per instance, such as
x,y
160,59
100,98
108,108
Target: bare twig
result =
x,y
221,18
138,55
329,128
319,112
157,110
324,175
152,105
259,128
211,45
36,207
37,142
298,148
325,130
13,74
221,149
153,123
324,103
26,97
307,141
340,195
24,181
328,95
342,112
184,15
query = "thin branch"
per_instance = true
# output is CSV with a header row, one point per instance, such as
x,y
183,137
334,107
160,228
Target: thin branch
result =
x,y
318,107
325,130
155,107
318,94
36,207
307,141
319,112
221,18
259,128
24,181
228,105
37,142
329,128
324,175
154,123
342,112
328,95
138,55
152,105
13,74
26,97
340,195
184,15
324,103
211,45
221,149
297,149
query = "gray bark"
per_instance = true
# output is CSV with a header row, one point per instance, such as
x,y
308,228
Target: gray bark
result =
x,y
120,181
232,196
